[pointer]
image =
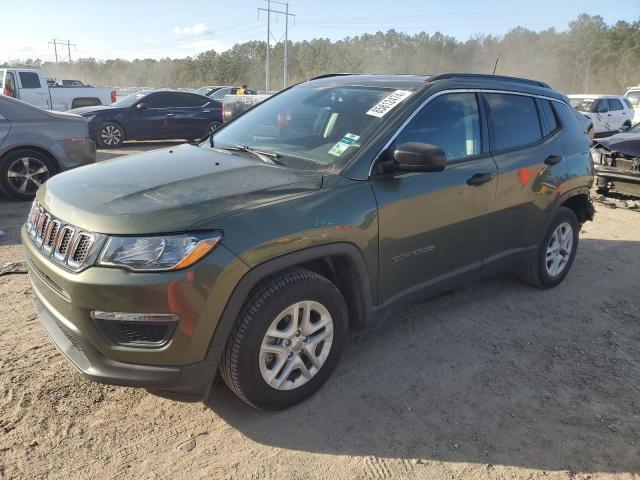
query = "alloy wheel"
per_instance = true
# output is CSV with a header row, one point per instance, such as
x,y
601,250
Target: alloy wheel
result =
x,y
559,249
296,345
27,174
111,135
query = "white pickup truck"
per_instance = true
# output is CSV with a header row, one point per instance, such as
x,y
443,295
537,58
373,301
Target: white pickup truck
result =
x,y
30,86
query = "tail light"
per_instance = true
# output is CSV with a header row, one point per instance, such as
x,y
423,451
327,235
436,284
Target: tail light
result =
x,y
113,96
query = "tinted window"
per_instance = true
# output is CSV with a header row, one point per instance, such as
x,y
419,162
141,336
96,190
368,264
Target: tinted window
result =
x,y
550,121
450,122
514,120
615,104
188,100
29,80
602,106
158,100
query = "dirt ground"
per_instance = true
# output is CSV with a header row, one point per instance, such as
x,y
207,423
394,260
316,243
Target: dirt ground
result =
x,y
495,380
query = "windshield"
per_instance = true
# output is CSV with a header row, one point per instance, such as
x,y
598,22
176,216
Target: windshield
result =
x,y
313,127
634,98
129,100
582,104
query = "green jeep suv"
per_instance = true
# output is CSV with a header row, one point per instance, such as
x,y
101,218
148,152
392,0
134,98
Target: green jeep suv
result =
x,y
255,252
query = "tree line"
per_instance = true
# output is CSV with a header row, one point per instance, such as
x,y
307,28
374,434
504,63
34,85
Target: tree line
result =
x,y
590,56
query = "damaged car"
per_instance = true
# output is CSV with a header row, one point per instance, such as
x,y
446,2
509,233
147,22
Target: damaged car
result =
x,y
617,162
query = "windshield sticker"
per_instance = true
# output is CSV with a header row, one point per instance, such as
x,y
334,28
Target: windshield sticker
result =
x,y
339,148
387,103
350,138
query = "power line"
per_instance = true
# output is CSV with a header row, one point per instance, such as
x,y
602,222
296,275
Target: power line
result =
x,y
66,58
270,36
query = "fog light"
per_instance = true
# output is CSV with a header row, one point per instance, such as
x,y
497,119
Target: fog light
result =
x,y
135,317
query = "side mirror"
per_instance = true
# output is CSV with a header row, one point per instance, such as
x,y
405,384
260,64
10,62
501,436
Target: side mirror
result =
x,y
624,128
140,106
419,157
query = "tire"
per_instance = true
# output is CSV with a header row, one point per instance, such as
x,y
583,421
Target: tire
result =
x,y
541,273
23,171
110,135
246,366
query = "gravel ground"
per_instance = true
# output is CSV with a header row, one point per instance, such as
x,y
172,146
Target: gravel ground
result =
x,y
495,380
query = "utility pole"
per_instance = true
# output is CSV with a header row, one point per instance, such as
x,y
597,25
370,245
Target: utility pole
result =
x,y
62,43
270,36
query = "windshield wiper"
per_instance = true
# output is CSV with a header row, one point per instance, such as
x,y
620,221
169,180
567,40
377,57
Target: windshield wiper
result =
x,y
267,157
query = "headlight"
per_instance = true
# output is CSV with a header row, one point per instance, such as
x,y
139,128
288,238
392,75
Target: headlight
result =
x,y
157,253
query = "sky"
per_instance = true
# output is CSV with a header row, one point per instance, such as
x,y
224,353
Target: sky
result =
x,y
162,28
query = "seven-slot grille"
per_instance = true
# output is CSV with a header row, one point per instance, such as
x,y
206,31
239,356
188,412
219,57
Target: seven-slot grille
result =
x,y
66,244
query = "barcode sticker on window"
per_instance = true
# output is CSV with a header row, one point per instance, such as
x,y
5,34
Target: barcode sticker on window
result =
x,y
383,107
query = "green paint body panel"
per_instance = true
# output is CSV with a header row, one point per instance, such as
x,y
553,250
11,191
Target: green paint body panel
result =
x,y
410,230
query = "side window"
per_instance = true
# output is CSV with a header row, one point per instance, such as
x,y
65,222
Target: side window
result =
x,y
451,122
601,106
158,100
513,120
550,123
188,100
29,80
219,95
615,104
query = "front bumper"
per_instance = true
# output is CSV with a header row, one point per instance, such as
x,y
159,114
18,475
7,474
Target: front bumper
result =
x,y
191,381
185,365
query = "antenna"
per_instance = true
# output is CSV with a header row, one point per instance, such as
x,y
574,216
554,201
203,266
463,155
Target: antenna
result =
x,y
495,66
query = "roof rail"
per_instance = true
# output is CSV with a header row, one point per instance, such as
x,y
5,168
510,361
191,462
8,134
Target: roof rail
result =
x,y
327,75
525,81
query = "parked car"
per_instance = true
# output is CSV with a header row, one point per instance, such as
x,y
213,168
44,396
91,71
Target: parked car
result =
x,y
218,92
153,115
255,252
618,162
36,144
30,86
69,83
235,105
609,113
633,95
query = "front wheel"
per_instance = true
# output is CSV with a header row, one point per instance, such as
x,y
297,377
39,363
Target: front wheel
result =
x,y
556,253
287,340
110,135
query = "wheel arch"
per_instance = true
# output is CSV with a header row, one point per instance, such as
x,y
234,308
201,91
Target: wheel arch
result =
x,y
341,263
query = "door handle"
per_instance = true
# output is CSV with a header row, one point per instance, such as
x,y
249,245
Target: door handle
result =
x,y
171,114
553,160
479,178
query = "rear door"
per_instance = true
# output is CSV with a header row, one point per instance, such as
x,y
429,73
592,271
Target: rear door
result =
x,y
526,143
189,116
618,113
434,226
32,91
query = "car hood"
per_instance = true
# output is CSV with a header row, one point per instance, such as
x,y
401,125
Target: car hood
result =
x,y
169,190
624,143
90,110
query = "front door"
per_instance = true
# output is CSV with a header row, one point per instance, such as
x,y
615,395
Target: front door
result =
x,y
434,227
152,121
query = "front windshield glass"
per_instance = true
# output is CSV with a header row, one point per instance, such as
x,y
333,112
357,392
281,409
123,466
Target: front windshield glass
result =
x,y
129,100
314,127
582,104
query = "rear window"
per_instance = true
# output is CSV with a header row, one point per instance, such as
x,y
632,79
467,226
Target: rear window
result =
x,y
513,120
29,80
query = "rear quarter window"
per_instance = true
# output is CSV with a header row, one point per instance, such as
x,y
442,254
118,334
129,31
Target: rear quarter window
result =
x,y
550,123
513,120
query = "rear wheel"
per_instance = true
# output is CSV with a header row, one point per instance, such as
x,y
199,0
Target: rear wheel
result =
x,y
22,172
110,135
556,253
287,340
